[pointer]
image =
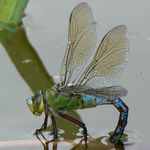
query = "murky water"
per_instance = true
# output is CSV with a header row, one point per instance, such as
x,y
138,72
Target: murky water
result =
x,y
46,26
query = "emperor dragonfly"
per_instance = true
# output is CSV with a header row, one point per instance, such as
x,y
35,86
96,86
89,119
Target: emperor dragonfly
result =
x,y
86,83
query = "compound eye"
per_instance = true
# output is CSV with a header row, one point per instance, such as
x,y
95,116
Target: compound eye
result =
x,y
30,101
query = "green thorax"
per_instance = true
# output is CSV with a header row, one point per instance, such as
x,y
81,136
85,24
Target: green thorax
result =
x,y
62,100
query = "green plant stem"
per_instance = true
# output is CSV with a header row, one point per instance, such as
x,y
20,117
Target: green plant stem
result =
x,y
11,12
26,60
19,49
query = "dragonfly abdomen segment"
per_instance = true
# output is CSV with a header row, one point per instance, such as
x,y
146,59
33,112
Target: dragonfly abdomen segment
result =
x,y
102,101
88,101
123,109
92,101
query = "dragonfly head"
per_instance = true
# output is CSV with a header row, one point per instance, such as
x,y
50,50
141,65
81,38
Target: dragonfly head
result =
x,y
35,103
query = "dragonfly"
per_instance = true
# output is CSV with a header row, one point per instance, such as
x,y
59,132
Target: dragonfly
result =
x,y
86,80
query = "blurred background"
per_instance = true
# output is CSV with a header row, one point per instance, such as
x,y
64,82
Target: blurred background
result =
x,y
46,25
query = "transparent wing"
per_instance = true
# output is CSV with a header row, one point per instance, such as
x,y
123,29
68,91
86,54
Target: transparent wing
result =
x,y
82,39
110,92
109,60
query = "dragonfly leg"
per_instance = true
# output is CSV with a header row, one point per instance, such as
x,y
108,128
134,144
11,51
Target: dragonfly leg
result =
x,y
55,132
44,125
123,109
75,121
49,111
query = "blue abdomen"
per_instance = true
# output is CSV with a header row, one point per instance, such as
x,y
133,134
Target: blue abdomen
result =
x,y
92,101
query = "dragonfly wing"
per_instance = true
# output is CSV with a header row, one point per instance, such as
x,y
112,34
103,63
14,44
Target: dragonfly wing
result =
x,y
109,60
82,39
110,92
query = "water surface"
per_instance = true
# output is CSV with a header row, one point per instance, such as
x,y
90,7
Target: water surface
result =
x,y
46,26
